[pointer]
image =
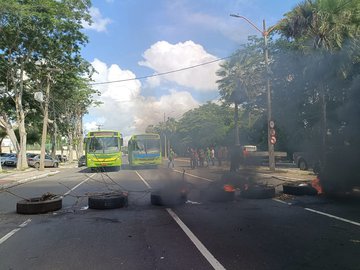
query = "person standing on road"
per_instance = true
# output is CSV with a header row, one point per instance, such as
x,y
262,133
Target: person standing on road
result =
x,y
208,156
220,154
171,158
212,156
201,157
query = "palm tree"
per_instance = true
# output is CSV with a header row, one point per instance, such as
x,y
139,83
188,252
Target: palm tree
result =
x,y
322,27
241,78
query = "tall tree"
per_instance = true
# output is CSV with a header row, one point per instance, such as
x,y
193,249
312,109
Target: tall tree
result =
x,y
242,78
46,32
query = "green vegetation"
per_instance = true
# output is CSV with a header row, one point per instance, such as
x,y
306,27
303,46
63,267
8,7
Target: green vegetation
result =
x,y
40,51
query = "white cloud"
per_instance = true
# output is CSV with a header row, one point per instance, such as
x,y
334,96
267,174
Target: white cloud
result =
x,y
163,57
99,23
125,109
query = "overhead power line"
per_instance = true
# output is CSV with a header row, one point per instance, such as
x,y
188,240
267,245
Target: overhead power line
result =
x,y
163,73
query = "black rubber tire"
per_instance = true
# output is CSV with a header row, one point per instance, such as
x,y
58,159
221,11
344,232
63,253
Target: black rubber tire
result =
x,y
258,192
298,190
107,201
37,206
303,165
56,165
216,193
37,165
159,199
155,199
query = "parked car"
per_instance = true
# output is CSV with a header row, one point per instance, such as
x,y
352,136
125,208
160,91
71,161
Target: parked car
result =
x,y
10,160
49,162
306,160
82,161
3,157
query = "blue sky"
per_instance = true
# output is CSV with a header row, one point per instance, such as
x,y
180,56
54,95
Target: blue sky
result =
x,y
134,38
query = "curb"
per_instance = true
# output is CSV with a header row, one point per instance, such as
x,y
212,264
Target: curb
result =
x,y
26,180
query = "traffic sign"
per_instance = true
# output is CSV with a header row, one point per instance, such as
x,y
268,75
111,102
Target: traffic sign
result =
x,y
271,124
272,139
272,132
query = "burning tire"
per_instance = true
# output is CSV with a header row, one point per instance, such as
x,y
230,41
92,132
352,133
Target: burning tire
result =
x,y
160,198
108,201
39,205
258,192
299,189
217,192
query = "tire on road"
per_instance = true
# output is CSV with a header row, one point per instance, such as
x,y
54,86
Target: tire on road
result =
x,y
108,201
299,189
56,165
37,165
161,198
258,192
215,192
38,205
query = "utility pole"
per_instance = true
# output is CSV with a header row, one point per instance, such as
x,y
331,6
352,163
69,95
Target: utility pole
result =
x,y
268,90
265,34
165,146
99,127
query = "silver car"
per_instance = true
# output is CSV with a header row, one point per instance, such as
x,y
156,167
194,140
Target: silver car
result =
x,y
9,160
49,162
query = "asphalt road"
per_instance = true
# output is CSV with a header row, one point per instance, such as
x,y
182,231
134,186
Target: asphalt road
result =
x,y
242,234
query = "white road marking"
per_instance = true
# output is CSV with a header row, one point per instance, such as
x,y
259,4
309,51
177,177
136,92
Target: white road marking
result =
x,y
204,251
82,182
280,201
7,236
195,176
332,216
142,179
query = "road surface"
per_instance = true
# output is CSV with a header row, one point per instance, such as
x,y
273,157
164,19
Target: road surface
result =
x,y
309,233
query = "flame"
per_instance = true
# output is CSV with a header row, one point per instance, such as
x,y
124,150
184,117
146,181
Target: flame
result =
x,y
229,188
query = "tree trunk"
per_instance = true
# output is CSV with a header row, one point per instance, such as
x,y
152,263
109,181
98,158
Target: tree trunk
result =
x,y
70,146
21,147
10,132
45,123
323,124
80,138
236,124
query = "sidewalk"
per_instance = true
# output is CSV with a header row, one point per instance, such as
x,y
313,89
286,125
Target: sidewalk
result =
x,y
285,174
13,177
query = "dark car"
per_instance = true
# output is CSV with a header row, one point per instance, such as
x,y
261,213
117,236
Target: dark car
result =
x,y
82,161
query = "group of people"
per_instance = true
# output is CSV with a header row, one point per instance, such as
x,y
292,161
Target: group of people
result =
x,y
200,157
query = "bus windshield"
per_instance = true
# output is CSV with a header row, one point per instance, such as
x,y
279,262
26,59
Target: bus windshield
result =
x,y
147,145
103,145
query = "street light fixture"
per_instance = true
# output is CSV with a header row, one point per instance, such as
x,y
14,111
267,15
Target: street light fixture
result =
x,y
265,34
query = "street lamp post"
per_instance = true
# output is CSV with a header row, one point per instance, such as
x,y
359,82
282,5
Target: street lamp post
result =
x,y
265,34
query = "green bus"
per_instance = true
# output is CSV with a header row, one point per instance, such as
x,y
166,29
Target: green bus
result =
x,y
144,149
103,149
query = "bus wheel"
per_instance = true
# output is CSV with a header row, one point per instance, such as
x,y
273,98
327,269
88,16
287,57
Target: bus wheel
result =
x,y
108,201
